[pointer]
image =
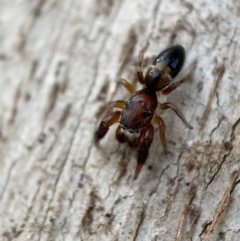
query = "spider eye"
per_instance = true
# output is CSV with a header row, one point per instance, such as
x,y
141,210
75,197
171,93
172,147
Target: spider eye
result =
x,y
128,104
147,113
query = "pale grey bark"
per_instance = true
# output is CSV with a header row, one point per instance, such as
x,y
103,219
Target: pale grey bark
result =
x,y
59,65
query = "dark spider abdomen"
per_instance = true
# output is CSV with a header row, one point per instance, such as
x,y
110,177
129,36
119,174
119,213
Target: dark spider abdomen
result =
x,y
173,57
139,110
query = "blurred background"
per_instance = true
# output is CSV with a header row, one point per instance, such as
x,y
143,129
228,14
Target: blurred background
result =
x,y
60,61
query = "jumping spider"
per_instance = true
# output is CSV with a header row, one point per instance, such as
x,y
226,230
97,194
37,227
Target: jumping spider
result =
x,y
138,112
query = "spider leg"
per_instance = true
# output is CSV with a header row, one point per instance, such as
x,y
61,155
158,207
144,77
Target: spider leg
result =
x,y
115,104
120,136
170,105
162,128
140,65
146,141
128,86
174,85
105,124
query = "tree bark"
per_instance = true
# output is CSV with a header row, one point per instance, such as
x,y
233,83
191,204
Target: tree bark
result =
x,y
59,65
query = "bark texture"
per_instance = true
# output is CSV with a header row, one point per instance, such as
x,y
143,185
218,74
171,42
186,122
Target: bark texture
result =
x,y
59,65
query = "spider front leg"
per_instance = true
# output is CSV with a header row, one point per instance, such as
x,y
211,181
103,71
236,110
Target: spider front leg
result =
x,y
105,124
170,105
146,141
140,65
110,119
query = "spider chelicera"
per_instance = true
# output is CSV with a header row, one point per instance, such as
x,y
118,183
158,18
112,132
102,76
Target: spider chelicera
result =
x,y
138,112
